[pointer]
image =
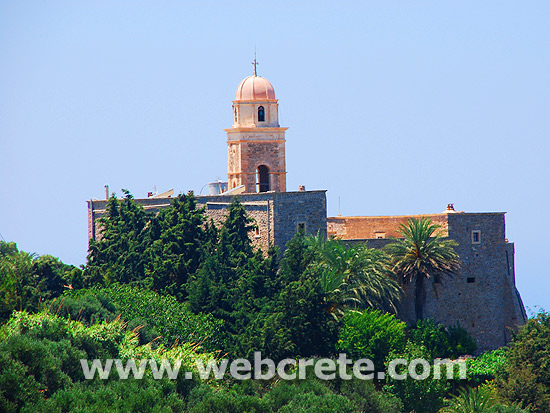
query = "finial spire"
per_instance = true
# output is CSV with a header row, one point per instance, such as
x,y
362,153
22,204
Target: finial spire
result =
x,y
255,63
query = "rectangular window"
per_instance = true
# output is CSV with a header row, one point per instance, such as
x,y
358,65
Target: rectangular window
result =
x,y
471,280
476,237
257,232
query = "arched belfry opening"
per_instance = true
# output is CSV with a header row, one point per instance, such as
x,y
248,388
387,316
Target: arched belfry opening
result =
x,y
262,178
261,114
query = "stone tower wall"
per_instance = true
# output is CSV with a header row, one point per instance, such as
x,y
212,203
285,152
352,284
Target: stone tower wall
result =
x,y
249,148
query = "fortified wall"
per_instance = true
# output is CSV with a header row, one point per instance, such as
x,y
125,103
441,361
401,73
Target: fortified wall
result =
x,y
482,296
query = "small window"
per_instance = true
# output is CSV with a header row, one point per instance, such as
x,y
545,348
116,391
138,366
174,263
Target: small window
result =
x,y
380,235
476,237
235,115
437,279
261,114
471,280
301,227
257,232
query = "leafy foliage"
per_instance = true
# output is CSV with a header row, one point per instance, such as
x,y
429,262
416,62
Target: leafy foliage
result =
x,y
26,280
43,352
481,399
353,276
158,317
309,395
441,341
371,334
525,378
486,366
157,252
296,321
419,396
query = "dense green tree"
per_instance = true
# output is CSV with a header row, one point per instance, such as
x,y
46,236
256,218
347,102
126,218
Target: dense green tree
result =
x,y
27,280
298,322
214,288
235,282
486,366
441,341
176,245
525,378
43,352
421,254
418,396
157,317
156,251
118,255
371,334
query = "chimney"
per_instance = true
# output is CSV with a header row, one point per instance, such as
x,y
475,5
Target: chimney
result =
x,y
302,188
450,207
106,192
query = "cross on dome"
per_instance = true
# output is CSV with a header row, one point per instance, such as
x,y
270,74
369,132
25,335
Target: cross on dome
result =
x,y
255,63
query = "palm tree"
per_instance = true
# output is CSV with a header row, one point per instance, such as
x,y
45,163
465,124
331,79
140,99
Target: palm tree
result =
x,y
422,253
478,400
353,277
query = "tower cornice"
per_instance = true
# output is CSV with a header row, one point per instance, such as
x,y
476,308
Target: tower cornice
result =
x,y
255,129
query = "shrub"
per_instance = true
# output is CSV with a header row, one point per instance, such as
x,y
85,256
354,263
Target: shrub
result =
x,y
525,378
371,334
440,341
419,396
159,315
486,366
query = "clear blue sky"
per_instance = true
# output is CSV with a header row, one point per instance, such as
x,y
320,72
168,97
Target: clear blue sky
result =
x,y
395,107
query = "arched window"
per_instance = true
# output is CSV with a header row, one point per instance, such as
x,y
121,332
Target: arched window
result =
x,y
261,114
235,115
262,178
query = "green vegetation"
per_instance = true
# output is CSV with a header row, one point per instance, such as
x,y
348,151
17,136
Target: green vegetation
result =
x,y
441,341
159,318
525,378
173,285
27,281
371,334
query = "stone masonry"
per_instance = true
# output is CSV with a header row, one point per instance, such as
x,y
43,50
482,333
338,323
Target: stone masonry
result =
x,y
277,215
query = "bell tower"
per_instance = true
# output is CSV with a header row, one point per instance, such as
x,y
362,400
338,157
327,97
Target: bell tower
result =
x,y
256,142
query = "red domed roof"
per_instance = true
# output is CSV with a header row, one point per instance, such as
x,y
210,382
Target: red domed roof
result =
x,y
255,88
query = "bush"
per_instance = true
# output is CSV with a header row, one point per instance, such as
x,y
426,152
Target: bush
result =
x,y
440,341
419,396
371,334
486,366
41,354
525,378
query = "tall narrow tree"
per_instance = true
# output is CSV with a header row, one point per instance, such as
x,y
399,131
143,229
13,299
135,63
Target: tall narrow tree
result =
x,y
421,254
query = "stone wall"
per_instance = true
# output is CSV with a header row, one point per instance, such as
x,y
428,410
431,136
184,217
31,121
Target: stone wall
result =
x,y
277,214
482,296
363,227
